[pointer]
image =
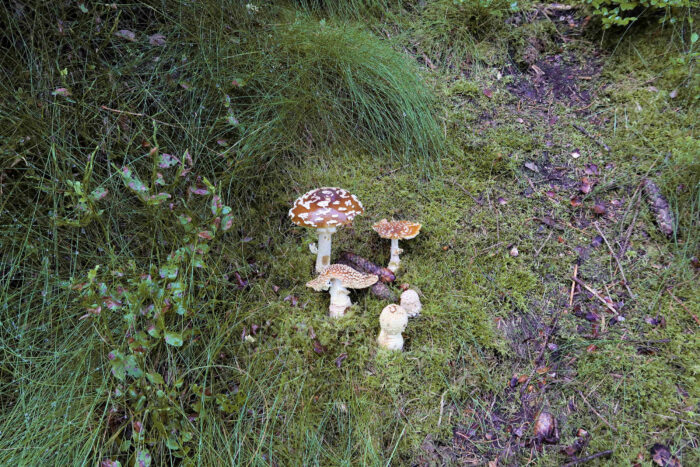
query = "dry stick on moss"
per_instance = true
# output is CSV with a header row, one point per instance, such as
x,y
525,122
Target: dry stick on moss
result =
x,y
458,185
379,289
596,294
617,260
543,244
596,412
365,265
684,307
589,458
135,114
591,137
573,286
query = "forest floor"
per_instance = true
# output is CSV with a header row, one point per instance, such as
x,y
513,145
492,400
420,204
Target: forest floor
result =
x,y
559,323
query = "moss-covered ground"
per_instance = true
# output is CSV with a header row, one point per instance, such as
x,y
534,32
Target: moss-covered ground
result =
x,y
518,139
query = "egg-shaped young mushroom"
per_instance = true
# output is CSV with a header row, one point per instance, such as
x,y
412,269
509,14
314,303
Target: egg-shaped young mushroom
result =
x,y
392,321
337,279
395,231
325,209
410,301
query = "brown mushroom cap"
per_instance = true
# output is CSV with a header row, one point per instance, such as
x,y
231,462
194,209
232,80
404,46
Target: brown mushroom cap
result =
x,y
348,276
325,207
396,230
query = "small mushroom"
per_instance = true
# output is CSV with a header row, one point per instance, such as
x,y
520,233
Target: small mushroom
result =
x,y
392,321
325,209
338,278
411,303
396,230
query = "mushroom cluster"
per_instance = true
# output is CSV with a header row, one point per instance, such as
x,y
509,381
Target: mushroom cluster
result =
x,y
326,209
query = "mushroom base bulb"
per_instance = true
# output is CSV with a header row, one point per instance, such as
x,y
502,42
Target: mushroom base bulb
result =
x,y
390,341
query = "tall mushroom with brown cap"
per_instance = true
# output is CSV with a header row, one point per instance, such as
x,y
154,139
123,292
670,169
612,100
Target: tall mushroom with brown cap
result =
x,y
325,209
395,231
392,321
338,278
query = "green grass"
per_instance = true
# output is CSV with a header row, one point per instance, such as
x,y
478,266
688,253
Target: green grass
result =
x,y
319,99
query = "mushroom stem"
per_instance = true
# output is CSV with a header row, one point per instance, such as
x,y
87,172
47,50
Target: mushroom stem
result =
x,y
395,252
390,341
340,299
323,258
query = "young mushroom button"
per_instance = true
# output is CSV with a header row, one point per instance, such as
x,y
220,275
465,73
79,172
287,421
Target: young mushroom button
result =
x,y
411,303
392,321
337,279
395,231
325,209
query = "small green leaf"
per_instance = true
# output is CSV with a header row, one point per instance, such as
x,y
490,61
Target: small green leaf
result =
x,y
173,338
143,458
132,367
155,378
694,38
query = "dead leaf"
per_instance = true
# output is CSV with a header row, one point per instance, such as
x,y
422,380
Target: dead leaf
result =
x,y
599,208
126,34
585,186
591,169
157,40
544,426
341,358
661,455
576,201
591,348
532,166
488,93
318,348
292,299
65,92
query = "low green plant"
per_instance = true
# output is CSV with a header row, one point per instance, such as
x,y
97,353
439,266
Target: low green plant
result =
x,y
624,12
140,311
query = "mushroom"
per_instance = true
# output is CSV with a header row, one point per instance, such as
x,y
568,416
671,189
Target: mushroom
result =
x,y
396,230
411,302
392,321
325,209
339,278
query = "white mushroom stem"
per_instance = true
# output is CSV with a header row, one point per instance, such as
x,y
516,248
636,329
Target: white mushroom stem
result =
x,y
323,258
340,299
390,341
395,252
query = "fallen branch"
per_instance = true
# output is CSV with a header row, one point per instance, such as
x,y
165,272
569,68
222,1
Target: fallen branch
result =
x,y
379,289
591,137
595,294
365,265
589,458
684,307
596,412
617,260
659,206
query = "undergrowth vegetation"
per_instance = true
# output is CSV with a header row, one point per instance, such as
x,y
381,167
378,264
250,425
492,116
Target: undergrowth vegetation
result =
x,y
153,307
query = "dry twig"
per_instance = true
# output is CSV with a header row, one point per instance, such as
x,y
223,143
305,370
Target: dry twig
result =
x,y
617,260
573,286
591,137
589,458
596,294
596,412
